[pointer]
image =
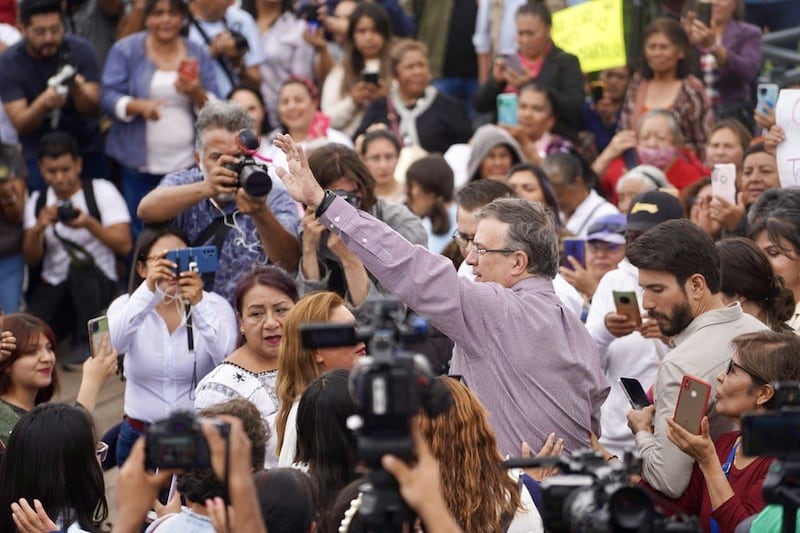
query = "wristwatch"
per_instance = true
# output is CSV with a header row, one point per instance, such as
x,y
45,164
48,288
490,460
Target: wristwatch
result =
x,y
326,202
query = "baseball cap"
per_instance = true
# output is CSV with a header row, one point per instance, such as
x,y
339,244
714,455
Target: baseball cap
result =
x,y
610,228
652,208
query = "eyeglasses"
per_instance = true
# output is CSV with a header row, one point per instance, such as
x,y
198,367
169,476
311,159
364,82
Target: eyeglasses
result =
x,y
732,365
101,451
483,251
463,238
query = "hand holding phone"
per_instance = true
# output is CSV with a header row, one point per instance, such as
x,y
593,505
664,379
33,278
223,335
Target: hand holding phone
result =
x,y
576,248
704,13
512,62
205,258
628,305
370,77
189,69
723,182
767,97
692,403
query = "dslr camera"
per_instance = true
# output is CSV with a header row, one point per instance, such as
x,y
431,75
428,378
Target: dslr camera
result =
x,y
253,177
389,386
593,495
178,442
65,212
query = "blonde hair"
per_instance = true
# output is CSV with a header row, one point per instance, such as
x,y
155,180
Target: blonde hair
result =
x,y
296,364
478,490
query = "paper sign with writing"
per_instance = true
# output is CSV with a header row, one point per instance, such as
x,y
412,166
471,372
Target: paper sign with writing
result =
x,y
593,31
787,116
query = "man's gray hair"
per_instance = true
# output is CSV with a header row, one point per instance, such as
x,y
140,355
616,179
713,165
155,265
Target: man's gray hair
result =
x,y
220,114
531,229
672,122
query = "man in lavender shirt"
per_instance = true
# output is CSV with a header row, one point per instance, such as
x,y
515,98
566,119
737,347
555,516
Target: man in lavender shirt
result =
x,y
529,360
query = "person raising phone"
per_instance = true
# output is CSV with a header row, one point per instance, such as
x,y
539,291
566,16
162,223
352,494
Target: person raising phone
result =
x,y
726,496
149,325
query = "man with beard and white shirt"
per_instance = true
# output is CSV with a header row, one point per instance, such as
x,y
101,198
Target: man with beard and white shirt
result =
x,y
626,349
680,279
470,200
207,203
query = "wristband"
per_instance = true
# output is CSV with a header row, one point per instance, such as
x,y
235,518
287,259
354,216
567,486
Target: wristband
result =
x,y
326,202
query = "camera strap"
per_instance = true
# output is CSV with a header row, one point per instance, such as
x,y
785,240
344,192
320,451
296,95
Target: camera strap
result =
x,y
223,62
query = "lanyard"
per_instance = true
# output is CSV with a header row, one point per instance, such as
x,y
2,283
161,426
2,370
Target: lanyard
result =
x,y
726,468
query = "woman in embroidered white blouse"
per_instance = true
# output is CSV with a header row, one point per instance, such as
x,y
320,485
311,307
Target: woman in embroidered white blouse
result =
x,y
262,300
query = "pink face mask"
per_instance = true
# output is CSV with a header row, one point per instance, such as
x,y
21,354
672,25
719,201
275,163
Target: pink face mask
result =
x,y
658,157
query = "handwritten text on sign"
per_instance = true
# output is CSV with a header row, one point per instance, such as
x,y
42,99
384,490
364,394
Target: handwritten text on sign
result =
x,y
787,116
592,31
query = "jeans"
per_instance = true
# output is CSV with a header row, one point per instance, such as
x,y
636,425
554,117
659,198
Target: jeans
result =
x,y
462,89
94,166
135,185
12,274
127,438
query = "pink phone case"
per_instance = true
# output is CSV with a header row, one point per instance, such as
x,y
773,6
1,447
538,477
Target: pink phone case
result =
x,y
692,403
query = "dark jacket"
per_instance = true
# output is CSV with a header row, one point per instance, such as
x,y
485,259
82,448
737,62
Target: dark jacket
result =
x,y
561,75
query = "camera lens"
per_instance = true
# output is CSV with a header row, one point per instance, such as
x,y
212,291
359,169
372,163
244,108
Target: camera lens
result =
x,y
255,180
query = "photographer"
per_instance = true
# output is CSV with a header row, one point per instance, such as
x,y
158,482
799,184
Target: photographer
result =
x,y
232,39
209,204
198,485
39,101
12,204
148,325
74,228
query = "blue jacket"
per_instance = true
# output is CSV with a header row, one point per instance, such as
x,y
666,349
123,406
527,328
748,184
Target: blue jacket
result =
x,y
128,72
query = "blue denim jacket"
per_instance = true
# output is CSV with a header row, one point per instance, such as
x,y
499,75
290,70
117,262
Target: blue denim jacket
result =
x,y
128,72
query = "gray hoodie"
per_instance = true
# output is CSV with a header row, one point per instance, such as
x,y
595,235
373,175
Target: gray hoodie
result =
x,y
485,138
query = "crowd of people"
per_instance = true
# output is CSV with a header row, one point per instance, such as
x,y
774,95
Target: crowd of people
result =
x,y
322,156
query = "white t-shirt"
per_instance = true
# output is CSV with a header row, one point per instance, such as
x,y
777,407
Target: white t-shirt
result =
x,y
170,139
113,210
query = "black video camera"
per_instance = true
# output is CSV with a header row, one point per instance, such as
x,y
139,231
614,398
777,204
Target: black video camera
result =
x,y
389,386
65,212
594,495
178,442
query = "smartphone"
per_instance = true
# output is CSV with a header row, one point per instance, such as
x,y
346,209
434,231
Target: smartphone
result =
x,y
512,62
507,109
189,69
370,77
635,393
692,403
704,13
627,305
204,257
309,13
630,158
767,97
598,88
577,249
723,182
98,328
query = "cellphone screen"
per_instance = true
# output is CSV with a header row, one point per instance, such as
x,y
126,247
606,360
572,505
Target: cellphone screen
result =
x,y
635,393
577,249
